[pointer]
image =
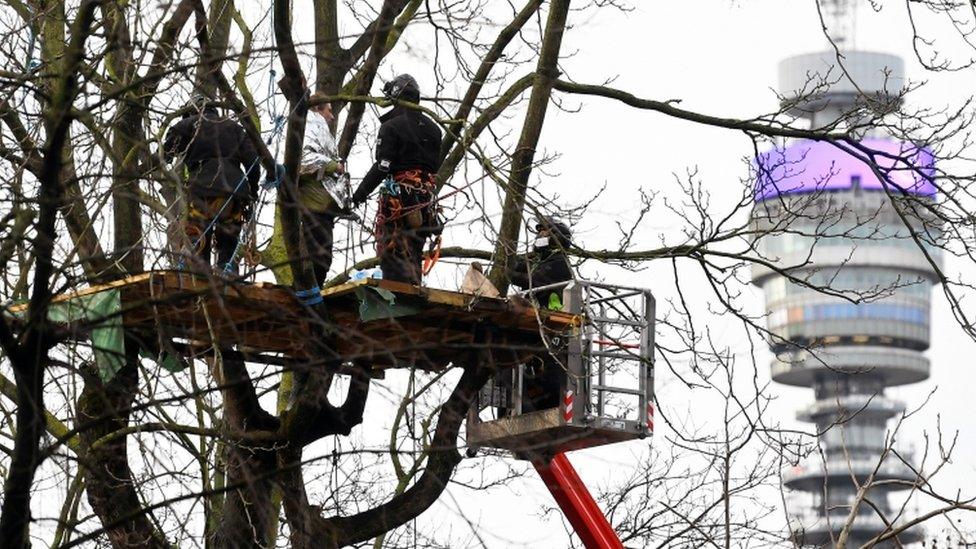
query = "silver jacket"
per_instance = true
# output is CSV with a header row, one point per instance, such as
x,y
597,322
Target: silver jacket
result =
x,y
318,152
319,148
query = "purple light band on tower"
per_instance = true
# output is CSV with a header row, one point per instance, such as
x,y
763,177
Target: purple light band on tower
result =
x,y
810,166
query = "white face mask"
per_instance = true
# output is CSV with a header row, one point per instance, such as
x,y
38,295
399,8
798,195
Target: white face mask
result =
x,y
541,242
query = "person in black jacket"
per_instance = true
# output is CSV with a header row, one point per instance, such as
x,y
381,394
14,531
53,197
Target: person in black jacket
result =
x,y
221,174
407,157
545,265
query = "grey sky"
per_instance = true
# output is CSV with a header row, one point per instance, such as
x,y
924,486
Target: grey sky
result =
x,y
716,57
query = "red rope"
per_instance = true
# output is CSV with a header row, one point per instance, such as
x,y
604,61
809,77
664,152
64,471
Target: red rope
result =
x,y
605,343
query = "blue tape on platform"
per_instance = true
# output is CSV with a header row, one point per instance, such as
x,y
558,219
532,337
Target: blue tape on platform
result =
x,y
311,296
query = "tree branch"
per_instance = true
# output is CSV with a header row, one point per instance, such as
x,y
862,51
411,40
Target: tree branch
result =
x,y
518,180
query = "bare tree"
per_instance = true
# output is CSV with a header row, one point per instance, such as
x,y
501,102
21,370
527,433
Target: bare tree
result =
x,y
225,452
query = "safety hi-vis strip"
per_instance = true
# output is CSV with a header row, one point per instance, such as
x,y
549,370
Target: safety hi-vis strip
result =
x,y
568,407
650,417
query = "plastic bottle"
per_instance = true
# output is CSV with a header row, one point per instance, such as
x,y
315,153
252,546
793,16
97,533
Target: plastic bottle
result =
x,y
356,274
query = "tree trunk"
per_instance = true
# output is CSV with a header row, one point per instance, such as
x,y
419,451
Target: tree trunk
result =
x,y
518,179
484,70
110,487
15,520
246,515
218,37
29,359
442,460
377,49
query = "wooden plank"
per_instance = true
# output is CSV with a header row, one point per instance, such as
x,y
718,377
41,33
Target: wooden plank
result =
x,y
87,291
345,287
269,318
217,286
459,301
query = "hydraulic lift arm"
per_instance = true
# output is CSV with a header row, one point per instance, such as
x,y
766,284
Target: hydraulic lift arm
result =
x,y
577,503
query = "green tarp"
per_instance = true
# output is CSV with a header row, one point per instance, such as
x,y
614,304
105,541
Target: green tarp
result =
x,y
106,335
102,309
377,303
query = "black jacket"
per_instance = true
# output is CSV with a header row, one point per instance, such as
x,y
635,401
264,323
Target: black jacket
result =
x,y
546,266
407,140
216,152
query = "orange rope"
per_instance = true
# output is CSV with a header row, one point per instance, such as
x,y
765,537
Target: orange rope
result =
x,y
432,255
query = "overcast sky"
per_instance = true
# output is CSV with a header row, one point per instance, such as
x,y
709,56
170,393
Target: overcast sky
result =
x,y
720,58
716,57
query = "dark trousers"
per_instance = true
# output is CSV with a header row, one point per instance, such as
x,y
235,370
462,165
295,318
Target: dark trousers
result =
x,y
542,383
215,222
401,253
317,228
406,219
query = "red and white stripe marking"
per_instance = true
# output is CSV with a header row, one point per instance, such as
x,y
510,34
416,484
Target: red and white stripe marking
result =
x,y
621,344
568,407
650,417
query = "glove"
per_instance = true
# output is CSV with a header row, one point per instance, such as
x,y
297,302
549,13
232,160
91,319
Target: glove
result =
x,y
346,210
349,216
279,175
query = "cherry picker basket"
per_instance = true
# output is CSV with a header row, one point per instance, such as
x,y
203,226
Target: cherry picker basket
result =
x,y
605,379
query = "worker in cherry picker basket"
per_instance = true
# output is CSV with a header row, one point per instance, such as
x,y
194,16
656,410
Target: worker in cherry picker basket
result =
x,y
546,264
221,174
407,157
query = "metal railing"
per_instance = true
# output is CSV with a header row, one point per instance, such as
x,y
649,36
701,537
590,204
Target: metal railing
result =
x,y
609,359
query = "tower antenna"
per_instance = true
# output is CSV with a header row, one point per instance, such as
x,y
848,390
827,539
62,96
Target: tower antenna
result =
x,y
840,18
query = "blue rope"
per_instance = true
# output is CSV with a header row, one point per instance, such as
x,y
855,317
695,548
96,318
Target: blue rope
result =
x,y
219,212
390,186
278,125
311,296
275,136
31,64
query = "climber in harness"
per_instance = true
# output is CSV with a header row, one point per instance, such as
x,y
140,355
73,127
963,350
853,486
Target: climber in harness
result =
x,y
323,187
221,174
545,265
407,157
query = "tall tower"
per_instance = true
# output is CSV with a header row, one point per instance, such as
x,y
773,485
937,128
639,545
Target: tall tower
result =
x,y
834,224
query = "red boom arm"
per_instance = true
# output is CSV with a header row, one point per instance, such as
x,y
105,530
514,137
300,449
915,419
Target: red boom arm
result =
x,y
577,503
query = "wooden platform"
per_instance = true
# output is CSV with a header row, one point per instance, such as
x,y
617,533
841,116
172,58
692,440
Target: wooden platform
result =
x,y
425,327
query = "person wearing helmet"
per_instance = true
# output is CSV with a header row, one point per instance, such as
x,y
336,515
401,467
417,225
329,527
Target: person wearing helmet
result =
x,y
221,174
407,157
545,265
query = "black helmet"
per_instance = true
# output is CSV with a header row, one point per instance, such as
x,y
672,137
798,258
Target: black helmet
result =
x,y
198,103
404,88
556,228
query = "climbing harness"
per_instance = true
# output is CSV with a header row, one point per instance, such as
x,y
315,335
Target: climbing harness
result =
x,y
217,216
407,201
